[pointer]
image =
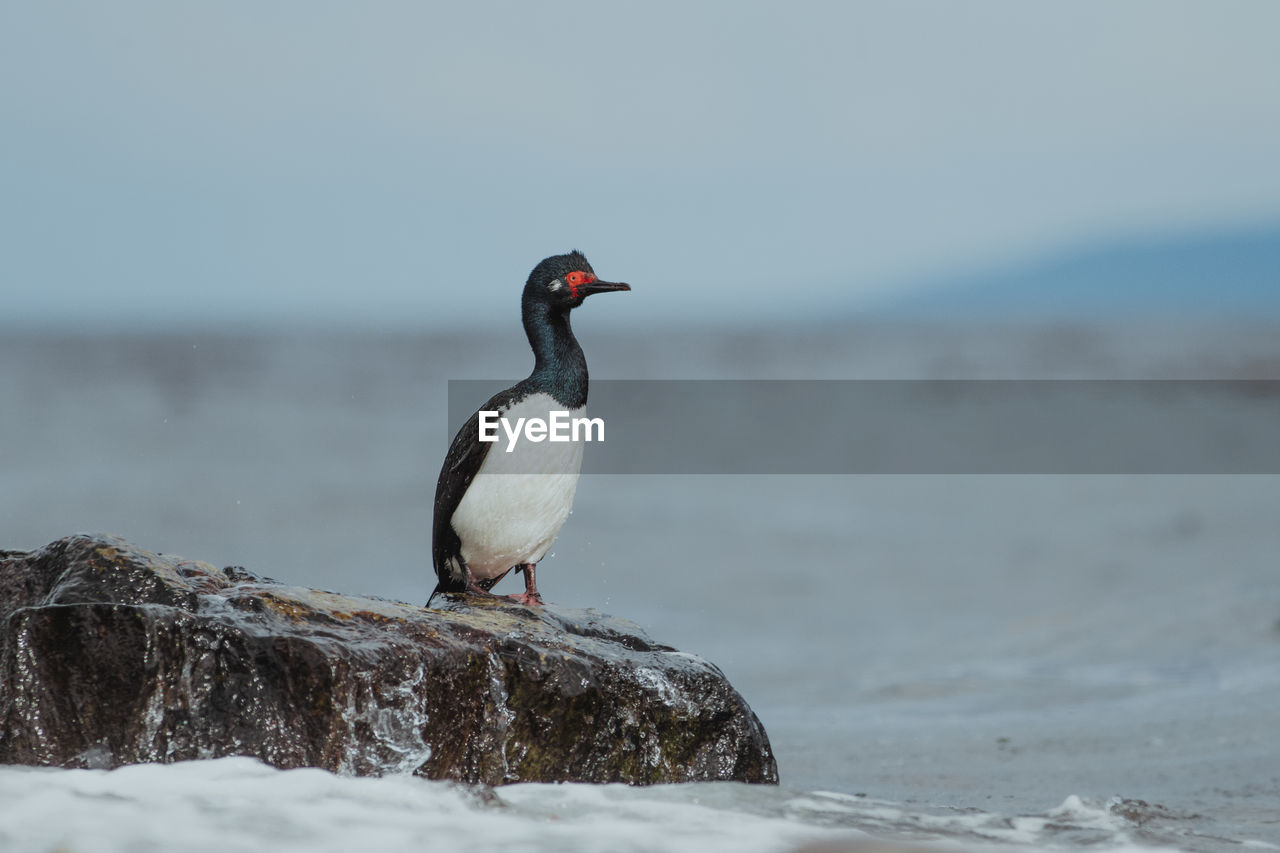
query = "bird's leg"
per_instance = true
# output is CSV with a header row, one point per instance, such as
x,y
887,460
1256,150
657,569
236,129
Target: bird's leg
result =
x,y
471,585
530,597
475,589
481,587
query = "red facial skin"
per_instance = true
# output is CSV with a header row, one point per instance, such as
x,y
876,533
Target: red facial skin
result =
x,y
576,280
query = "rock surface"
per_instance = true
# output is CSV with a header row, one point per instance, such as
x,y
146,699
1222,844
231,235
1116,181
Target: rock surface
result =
x,y
112,655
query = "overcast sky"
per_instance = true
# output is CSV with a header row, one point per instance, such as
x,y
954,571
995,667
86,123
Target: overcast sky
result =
x,y
406,164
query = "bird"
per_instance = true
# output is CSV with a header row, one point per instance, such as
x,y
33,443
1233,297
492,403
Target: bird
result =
x,y
496,511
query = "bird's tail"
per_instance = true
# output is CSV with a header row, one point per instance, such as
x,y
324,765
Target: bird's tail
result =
x,y
452,579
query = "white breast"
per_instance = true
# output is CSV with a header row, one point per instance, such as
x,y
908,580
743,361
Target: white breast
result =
x,y
518,501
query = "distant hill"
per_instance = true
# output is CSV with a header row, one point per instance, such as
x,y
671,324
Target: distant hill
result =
x,y
1213,275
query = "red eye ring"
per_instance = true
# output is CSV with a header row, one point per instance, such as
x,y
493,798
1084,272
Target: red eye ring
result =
x,y
576,279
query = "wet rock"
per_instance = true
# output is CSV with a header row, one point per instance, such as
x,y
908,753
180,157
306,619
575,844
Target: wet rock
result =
x,y
112,655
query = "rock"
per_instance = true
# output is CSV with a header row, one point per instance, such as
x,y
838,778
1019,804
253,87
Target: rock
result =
x,y
113,655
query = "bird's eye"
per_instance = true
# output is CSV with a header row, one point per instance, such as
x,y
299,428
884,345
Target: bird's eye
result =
x,y
575,277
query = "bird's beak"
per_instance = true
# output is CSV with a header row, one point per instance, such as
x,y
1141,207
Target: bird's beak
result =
x,y
585,290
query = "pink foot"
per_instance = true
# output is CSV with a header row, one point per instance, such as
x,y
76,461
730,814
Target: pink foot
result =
x,y
530,596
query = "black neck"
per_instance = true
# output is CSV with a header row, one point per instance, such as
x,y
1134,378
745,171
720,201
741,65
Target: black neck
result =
x,y
560,368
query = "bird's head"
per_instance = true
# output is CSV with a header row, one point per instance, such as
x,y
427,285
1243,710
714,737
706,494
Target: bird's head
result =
x,y
564,281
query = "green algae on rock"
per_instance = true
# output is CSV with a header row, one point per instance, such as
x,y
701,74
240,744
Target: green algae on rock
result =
x,y
112,655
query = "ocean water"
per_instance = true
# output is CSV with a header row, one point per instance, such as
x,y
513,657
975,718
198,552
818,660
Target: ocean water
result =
x,y
1014,661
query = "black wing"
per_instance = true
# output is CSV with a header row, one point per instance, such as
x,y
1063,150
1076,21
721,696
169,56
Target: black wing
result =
x,y
466,455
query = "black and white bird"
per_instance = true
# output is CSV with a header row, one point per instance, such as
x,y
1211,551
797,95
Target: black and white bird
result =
x,y
495,510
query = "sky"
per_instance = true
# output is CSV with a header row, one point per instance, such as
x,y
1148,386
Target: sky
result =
x,y
405,164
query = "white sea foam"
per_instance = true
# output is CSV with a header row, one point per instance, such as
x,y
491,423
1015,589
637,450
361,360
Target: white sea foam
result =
x,y
239,804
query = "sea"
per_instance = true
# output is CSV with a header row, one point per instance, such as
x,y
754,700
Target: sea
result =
x,y
1047,657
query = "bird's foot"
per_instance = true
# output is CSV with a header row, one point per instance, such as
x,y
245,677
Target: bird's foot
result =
x,y
530,596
